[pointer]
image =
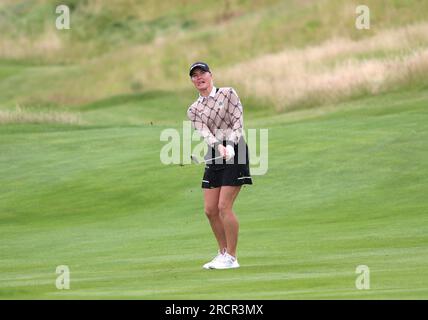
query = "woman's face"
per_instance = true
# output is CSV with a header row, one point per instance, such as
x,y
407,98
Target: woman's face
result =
x,y
201,79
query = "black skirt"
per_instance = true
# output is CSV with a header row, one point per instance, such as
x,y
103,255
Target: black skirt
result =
x,y
234,172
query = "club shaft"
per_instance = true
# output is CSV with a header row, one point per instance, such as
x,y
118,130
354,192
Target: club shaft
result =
x,y
205,161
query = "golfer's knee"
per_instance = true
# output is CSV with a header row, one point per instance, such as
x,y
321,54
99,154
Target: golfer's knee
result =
x,y
224,208
211,211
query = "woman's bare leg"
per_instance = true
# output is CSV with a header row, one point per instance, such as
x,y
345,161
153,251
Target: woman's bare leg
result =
x,y
227,197
211,199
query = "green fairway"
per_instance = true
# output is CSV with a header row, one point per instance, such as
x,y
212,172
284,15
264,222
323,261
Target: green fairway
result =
x,y
346,186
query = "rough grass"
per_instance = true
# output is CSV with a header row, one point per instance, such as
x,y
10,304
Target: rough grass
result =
x,y
326,59
130,48
332,71
20,115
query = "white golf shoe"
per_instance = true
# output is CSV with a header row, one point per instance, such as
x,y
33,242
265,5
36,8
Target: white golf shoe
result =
x,y
213,261
226,261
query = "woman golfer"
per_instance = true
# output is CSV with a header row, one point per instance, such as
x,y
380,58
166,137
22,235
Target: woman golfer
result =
x,y
218,116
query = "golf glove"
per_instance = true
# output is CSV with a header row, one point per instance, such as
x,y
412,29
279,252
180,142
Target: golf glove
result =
x,y
230,152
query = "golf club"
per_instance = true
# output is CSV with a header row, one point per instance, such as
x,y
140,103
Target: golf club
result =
x,y
196,161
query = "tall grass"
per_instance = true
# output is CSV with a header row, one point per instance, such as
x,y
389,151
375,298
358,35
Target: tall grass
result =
x,y
131,47
97,28
48,45
337,69
21,115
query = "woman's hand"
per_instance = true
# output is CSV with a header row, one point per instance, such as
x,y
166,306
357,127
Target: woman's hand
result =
x,y
222,150
226,152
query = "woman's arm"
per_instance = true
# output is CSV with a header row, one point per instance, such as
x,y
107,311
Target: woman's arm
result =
x,y
202,128
236,114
